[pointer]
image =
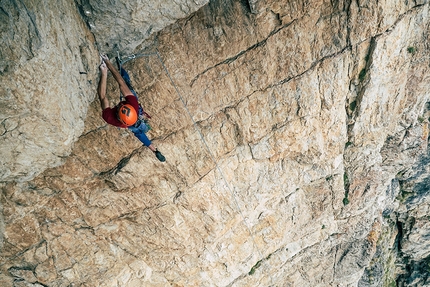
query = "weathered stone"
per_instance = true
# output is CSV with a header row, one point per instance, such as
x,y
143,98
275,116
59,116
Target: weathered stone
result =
x,y
47,75
132,21
23,274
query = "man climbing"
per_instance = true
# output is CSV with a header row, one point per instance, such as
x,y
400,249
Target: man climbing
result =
x,y
128,113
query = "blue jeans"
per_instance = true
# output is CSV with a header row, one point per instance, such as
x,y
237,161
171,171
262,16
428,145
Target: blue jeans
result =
x,y
139,129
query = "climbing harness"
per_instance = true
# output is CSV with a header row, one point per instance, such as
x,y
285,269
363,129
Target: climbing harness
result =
x,y
156,53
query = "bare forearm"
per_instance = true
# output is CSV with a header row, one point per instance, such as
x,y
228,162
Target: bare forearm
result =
x,y
114,72
101,90
122,85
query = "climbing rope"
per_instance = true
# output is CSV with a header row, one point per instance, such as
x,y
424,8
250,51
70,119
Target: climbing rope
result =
x,y
134,56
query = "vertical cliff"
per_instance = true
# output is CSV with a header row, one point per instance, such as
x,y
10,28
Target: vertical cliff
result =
x,y
126,25
295,132
47,78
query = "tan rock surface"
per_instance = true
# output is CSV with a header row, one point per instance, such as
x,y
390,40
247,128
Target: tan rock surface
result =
x,y
125,25
47,82
302,117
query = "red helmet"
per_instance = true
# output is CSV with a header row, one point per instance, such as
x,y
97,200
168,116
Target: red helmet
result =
x,y
127,114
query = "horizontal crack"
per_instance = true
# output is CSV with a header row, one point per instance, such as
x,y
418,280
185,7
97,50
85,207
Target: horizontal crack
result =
x,y
103,127
313,65
235,57
121,164
36,245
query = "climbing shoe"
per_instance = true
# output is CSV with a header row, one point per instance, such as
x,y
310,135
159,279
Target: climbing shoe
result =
x,y
159,156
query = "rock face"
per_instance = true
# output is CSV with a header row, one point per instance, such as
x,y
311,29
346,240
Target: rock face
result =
x,y
125,25
45,114
296,138
46,55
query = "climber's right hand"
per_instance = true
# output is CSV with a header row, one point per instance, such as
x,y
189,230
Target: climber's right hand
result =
x,y
103,68
104,57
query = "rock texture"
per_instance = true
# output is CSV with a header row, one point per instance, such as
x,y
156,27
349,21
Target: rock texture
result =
x,y
296,138
125,25
47,77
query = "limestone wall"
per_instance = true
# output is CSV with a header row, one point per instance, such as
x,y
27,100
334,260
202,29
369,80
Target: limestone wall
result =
x,y
47,76
293,132
126,25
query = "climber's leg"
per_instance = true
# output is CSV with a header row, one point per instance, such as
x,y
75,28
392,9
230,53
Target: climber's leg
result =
x,y
139,132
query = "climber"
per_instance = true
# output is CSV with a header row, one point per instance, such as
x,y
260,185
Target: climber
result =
x,y
128,113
